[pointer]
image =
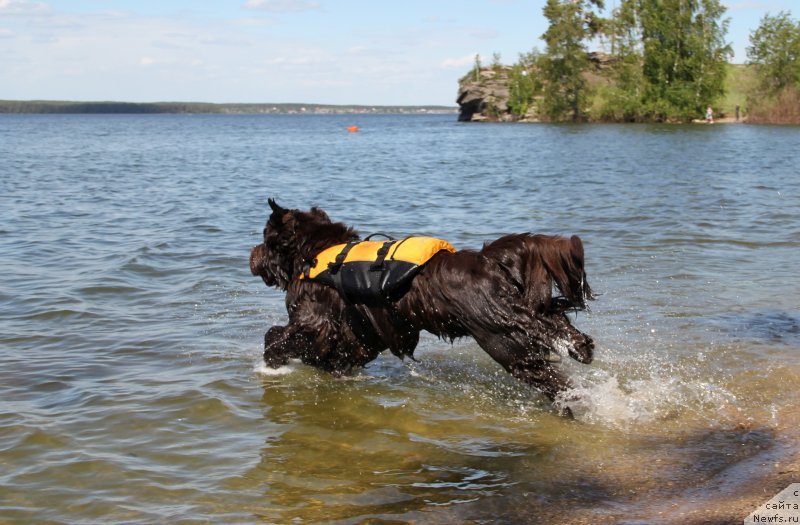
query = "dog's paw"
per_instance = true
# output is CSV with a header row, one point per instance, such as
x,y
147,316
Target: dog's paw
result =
x,y
581,348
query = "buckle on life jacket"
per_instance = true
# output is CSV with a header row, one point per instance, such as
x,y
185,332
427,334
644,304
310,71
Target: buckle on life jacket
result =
x,y
336,265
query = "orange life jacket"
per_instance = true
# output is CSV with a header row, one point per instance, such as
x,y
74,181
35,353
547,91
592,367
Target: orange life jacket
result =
x,y
373,272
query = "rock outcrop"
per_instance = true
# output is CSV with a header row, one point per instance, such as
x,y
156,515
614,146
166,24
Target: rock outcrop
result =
x,y
483,95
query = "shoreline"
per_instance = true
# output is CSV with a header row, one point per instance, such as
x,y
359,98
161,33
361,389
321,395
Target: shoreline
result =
x,y
741,497
724,120
728,497
117,107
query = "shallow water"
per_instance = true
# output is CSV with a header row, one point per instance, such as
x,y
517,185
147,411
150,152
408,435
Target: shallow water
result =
x,y
131,385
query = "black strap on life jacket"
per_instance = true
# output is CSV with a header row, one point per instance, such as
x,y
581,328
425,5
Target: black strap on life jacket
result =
x,y
364,318
339,261
382,253
307,265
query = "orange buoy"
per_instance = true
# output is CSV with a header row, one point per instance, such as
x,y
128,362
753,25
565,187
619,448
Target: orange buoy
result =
x,y
352,129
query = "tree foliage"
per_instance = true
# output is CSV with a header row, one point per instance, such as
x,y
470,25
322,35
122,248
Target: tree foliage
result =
x,y
622,100
685,54
524,84
775,50
775,53
668,62
680,45
571,24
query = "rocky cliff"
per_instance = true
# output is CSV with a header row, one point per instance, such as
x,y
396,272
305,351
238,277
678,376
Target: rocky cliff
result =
x,y
484,94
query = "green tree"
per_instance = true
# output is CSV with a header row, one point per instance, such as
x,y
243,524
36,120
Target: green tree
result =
x,y
622,99
497,59
476,68
684,55
775,50
571,23
524,83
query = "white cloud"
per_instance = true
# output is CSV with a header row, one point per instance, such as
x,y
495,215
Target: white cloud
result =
x,y
254,21
23,7
115,13
131,56
484,33
300,56
281,6
458,63
170,64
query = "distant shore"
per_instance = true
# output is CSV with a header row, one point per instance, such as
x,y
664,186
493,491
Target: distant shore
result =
x,y
723,120
75,107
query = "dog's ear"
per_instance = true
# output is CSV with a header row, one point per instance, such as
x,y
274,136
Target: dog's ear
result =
x,y
278,212
320,214
276,208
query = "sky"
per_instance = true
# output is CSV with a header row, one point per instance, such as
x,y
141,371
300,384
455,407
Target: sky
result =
x,y
374,52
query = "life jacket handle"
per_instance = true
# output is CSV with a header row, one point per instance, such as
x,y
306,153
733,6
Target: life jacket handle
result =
x,y
368,237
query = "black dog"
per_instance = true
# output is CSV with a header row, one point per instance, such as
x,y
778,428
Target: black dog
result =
x,y
502,296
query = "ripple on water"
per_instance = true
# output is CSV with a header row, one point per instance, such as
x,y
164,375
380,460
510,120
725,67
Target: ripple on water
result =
x,y
131,381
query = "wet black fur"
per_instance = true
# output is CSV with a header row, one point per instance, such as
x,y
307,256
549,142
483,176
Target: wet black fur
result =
x,y
501,295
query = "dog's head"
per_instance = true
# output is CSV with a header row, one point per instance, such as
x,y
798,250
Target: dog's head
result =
x,y
291,239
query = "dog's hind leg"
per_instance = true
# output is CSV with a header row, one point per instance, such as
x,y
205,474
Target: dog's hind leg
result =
x,y
519,357
543,375
580,346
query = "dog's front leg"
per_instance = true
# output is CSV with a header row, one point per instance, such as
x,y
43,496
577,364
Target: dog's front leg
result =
x,y
282,343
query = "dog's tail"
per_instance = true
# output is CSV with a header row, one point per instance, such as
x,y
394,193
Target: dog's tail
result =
x,y
567,268
537,263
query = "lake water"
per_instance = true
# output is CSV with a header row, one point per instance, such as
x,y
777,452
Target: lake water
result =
x,y
131,331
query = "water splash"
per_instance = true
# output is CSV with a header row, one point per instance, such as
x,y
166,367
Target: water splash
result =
x,y
262,369
646,390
